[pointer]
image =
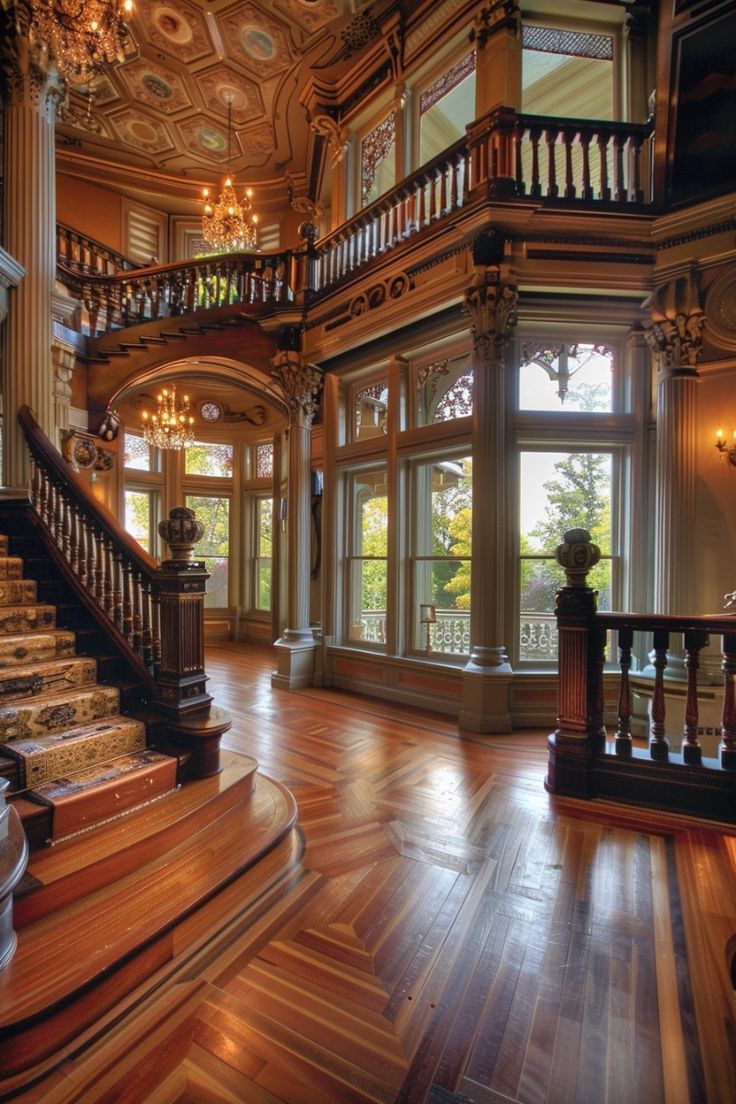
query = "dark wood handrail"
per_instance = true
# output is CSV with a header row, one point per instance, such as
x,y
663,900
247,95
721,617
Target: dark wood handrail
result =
x,y
70,240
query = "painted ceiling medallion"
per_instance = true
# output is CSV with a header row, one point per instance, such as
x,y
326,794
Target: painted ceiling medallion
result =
x,y
172,25
259,43
204,140
221,85
141,132
155,86
180,30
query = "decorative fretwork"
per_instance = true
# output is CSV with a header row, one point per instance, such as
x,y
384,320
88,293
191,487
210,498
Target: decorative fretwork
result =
x,y
457,401
563,362
264,460
375,148
137,453
552,40
449,80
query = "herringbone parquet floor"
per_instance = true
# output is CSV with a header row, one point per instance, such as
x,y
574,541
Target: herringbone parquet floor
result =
x,y
450,932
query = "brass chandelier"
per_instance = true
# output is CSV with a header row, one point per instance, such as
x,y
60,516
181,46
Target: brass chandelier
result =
x,y
80,35
171,425
227,224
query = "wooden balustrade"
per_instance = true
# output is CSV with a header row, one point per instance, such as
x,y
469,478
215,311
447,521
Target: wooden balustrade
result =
x,y
126,298
80,253
583,762
153,614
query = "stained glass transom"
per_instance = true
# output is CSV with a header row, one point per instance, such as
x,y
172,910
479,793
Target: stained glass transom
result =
x,y
552,40
264,461
375,147
449,80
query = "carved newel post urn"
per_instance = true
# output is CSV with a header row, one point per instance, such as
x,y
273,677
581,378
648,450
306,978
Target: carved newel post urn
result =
x,y
581,646
182,697
13,862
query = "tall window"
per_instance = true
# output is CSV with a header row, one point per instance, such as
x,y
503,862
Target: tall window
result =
x,y
263,553
214,548
139,516
441,555
366,561
142,494
446,107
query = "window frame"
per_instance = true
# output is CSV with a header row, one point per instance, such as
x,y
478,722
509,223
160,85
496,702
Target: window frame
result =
x,y
348,558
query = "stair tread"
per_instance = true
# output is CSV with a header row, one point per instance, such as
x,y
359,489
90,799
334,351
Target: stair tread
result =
x,y
25,682
19,648
26,617
44,758
47,714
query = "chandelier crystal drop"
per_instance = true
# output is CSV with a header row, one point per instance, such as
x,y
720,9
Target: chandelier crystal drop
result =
x,y
228,224
171,426
81,36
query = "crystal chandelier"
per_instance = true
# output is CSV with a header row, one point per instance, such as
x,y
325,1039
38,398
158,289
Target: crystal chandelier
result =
x,y
170,427
80,35
227,225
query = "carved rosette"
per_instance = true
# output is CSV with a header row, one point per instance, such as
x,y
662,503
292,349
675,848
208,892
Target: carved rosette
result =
x,y
675,336
576,556
181,531
491,307
301,384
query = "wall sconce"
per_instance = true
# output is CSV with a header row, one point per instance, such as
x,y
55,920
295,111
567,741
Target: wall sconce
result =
x,y
728,452
428,617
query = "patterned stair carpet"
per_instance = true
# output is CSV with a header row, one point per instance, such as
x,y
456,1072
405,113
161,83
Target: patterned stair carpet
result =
x,y
64,743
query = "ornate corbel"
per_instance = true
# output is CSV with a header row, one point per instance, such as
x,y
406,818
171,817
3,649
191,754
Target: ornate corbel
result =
x,y
337,136
300,383
675,335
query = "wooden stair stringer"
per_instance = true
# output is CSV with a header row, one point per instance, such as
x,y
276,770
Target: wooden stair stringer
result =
x,y
117,936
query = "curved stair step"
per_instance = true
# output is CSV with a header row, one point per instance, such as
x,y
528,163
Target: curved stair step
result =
x,y
51,757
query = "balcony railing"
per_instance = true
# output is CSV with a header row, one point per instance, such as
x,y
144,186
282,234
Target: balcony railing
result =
x,y
78,253
588,761
449,635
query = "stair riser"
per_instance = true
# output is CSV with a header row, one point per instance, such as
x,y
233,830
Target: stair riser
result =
x,y
16,651
14,592
23,619
30,681
45,718
44,762
11,567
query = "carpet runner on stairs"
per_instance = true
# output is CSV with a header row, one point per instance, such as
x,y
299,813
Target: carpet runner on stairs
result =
x,y
63,741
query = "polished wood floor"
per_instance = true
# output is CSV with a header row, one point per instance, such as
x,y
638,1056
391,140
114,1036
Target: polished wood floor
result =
x,y
443,930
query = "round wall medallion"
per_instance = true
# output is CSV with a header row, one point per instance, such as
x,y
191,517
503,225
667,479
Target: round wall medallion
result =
x,y
170,23
257,43
157,86
210,411
720,311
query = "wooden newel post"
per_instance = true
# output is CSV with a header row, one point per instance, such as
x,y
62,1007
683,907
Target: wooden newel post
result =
x,y
192,722
580,661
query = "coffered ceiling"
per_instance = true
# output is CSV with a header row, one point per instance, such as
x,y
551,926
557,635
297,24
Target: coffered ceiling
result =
x,y
163,110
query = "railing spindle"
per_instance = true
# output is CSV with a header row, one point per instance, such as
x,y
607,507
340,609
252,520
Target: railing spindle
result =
x,y
623,731
727,747
695,639
658,746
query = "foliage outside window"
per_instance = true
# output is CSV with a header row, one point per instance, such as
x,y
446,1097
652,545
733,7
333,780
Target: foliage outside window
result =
x,y
140,516
566,377
214,547
367,561
441,555
206,458
263,553
559,491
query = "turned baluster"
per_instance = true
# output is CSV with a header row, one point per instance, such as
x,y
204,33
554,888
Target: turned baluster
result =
x,y
519,130
99,579
623,730
74,540
551,139
695,639
156,627
109,585
422,203
127,603
91,565
603,137
727,746
118,591
82,551
638,191
454,189
535,133
66,526
620,193
596,727
137,627
587,190
568,137
58,526
658,747
147,634
433,197
35,486
443,193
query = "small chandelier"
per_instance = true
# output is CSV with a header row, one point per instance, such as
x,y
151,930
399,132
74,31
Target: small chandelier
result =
x,y
227,226
80,35
170,427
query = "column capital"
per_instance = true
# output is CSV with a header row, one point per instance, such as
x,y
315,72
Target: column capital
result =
x,y
301,384
491,306
29,75
494,17
675,334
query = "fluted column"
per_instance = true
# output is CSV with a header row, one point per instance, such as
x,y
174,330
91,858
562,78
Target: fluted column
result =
x,y
491,305
675,340
300,384
30,237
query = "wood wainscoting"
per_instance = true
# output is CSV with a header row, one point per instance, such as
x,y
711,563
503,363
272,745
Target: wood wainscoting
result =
x,y
449,932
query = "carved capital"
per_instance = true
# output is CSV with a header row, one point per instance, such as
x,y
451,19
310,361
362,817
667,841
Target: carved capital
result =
x,y
493,17
336,135
576,556
29,76
675,336
491,307
300,383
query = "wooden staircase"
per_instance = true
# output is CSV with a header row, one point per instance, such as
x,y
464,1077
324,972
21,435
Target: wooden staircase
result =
x,y
72,757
